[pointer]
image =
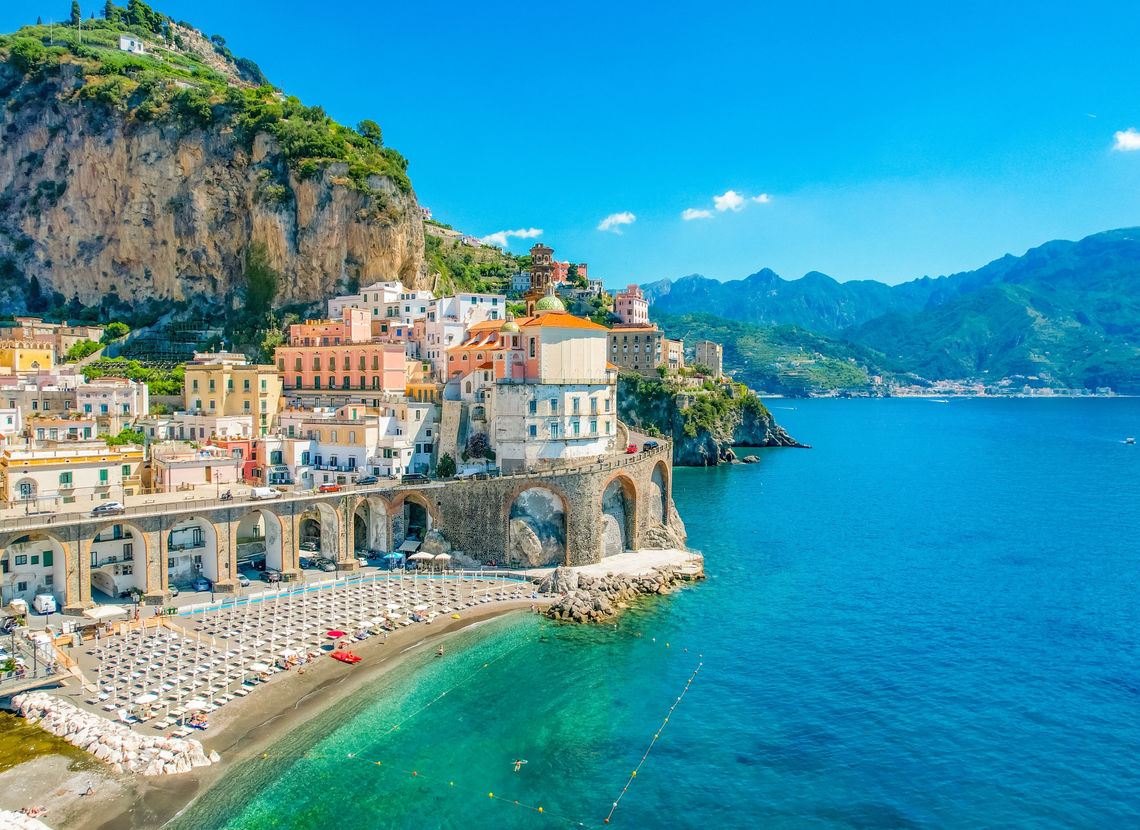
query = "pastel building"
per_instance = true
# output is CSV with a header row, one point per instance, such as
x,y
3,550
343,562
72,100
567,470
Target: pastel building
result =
x,y
631,306
179,466
91,471
19,357
196,426
112,396
448,318
373,297
228,384
60,335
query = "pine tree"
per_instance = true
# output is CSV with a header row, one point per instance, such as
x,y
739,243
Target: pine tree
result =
x,y
111,12
76,14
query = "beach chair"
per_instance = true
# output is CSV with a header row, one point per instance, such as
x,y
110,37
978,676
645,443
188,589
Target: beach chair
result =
x,y
126,717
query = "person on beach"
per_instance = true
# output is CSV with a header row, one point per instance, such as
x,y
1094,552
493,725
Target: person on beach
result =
x,y
440,652
90,788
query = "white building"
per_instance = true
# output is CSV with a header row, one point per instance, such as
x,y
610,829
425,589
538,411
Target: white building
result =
x,y
113,396
11,424
192,426
448,319
373,297
520,282
132,45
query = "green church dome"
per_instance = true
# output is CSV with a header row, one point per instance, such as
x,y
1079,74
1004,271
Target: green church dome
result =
x,y
550,303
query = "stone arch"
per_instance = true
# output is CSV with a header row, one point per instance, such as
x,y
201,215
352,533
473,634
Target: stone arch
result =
x,y
108,548
319,524
38,561
619,515
259,545
412,514
659,492
538,519
191,551
370,524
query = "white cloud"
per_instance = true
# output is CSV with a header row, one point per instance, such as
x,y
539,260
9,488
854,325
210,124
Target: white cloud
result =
x,y
693,213
614,221
1127,140
763,198
500,237
729,200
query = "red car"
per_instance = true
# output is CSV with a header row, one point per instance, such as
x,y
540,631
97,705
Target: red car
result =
x,y
631,449
328,488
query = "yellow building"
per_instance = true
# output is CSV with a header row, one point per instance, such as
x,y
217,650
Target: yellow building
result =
x,y
22,356
228,384
419,383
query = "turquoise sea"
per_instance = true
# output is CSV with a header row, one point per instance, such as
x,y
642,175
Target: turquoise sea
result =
x,y
931,619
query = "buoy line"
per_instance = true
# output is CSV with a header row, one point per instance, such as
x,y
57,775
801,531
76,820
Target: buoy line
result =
x,y
656,735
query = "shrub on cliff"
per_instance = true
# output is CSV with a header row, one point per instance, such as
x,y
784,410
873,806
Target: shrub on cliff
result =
x,y
445,467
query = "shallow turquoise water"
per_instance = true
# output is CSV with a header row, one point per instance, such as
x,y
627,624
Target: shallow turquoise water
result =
x,y
928,620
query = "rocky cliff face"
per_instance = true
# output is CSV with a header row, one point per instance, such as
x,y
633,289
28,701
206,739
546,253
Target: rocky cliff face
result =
x,y
95,203
704,425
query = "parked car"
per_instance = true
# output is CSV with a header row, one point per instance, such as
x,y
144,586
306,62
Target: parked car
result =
x,y
110,508
306,562
362,561
366,480
631,449
649,445
409,477
173,590
201,584
328,488
326,564
256,493
310,545
269,576
243,580
44,604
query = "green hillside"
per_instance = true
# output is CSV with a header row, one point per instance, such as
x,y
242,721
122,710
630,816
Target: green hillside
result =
x,y
191,82
782,359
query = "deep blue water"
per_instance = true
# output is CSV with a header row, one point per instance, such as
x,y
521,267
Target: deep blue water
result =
x,y
930,619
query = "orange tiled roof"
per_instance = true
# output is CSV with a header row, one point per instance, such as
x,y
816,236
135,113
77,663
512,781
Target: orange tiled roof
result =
x,y
486,325
562,320
486,364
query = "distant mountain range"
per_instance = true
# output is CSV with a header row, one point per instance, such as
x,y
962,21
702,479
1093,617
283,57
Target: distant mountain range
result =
x,y
1065,312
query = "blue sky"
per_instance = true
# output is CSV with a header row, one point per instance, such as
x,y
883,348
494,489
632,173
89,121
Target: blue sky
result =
x,y
891,140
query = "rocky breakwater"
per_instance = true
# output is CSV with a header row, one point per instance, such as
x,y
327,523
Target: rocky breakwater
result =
x,y
114,743
584,598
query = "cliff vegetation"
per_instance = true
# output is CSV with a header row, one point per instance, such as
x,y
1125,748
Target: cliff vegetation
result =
x,y
155,175
704,422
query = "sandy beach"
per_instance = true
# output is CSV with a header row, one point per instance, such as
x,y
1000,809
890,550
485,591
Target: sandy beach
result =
x,y
238,731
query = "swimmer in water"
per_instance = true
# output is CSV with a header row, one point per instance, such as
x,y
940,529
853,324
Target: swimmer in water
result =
x,y
518,765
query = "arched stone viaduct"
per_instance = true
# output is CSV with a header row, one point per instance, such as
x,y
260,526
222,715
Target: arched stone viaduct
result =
x,y
474,516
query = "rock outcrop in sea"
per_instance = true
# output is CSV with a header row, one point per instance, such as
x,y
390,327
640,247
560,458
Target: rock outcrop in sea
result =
x,y
584,598
122,748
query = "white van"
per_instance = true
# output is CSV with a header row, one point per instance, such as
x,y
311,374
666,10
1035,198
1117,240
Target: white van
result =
x,y
256,493
44,604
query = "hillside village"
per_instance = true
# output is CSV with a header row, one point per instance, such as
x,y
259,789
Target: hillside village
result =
x,y
391,384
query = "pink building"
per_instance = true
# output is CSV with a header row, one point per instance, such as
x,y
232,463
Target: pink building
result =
x,y
631,306
347,366
177,467
562,271
355,326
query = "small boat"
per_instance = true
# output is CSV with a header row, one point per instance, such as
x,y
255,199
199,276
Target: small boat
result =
x,y
1129,440
345,657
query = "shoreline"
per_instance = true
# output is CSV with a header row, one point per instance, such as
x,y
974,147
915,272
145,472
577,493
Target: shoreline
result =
x,y
238,731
